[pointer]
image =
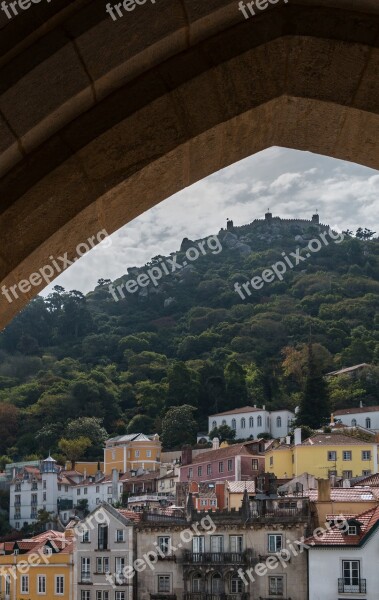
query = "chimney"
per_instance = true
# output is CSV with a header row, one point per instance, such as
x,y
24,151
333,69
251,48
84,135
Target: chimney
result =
x,y
255,406
215,443
186,456
114,485
288,440
264,407
162,470
323,490
220,489
297,436
360,404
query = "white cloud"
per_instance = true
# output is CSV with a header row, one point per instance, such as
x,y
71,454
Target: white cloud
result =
x,y
289,182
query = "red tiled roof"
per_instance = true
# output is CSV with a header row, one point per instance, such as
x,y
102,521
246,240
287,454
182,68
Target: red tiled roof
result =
x,y
227,452
130,514
334,439
371,480
353,494
336,537
353,411
237,411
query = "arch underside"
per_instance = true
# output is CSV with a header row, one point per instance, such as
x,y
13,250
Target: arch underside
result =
x,y
203,96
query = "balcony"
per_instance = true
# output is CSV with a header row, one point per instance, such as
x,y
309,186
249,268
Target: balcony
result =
x,y
351,586
205,596
85,577
226,558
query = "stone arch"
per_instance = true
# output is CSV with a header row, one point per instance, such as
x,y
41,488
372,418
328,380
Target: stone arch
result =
x,y
95,131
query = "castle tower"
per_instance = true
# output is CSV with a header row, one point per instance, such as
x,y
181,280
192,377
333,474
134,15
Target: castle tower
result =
x,y
268,216
49,490
316,219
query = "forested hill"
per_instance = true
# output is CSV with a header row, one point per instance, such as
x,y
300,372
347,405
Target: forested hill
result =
x,y
192,339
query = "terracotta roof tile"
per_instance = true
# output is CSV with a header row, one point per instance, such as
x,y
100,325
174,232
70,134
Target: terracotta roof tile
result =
x,y
334,439
336,537
354,494
237,411
238,487
353,411
219,453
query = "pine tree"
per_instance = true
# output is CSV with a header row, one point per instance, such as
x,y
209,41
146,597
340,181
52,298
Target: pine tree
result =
x,y
314,410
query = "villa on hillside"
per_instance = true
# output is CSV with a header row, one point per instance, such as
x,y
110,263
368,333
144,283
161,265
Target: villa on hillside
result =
x,y
250,421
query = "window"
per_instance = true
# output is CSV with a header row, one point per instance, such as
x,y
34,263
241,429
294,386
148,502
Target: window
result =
x,y
190,473
102,537
366,455
197,583
199,471
198,544
59,487
119,535
17,500
278,421
209,469
271,461
351,576
216,584
217,543
243,423
353,422
17,525
234,424
259,421
85,537
41,584
275,586
59,585
119,564
332,455
7,585
85,491
164,544
203,503
109,489
97,500
347,474
220,467
230,464
78,492
214,424
254,464
18,487
251,422
85,595
25,584
136,454
346,455
236,543
44,484
368,423
102,595
366,472
164,584
102,564
148,453
109,500
66,488
120,596
236,585
274,542
213,503
44,497
97,489
85,568
352,530
223,422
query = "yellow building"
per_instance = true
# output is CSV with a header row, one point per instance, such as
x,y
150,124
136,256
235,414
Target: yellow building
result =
x,y
129,452
37,567
86,468
323,455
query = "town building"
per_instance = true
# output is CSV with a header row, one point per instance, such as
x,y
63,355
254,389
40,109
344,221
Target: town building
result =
x,y
353,371
133,451
250,421
363,416
37,567
323,455
237,462
104,548
206,555
343,563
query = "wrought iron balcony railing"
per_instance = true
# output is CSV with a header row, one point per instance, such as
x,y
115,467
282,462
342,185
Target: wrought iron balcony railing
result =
x,y
202,558
221,596
351,585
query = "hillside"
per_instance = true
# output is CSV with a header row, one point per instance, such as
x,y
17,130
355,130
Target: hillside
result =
x,y
192,339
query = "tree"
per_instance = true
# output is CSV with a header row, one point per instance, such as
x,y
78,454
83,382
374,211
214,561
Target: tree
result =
x,y
74,449
224,433
314,409
140,424
181,386
236,390
88,427
179,427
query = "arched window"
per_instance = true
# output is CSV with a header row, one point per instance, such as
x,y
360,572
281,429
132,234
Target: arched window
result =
x,y
216,584
368,423
251,422
236,585
278,421
197,583
234,424
243,423
353,422
223,422
259,421
214,424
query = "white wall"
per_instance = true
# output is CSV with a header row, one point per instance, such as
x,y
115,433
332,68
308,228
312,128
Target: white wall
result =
x,y
360,418
268,419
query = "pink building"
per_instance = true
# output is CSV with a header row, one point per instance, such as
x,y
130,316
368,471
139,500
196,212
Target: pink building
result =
x,y
238,462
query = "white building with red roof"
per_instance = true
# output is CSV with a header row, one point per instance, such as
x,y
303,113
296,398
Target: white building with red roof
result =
x,y
343,562
362,416
250,421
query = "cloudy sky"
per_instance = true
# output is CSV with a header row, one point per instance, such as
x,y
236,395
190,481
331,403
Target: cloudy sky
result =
x,y
289,182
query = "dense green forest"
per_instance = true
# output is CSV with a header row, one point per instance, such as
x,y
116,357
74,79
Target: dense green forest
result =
x,y
192,340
